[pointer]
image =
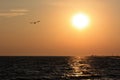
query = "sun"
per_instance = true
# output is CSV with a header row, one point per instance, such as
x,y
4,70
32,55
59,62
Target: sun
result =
x,y
80,21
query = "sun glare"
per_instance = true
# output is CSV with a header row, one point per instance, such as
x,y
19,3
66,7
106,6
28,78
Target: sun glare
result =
x,y
80,21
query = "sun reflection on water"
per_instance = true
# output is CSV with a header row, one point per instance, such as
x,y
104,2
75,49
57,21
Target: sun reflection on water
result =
x,y
79,67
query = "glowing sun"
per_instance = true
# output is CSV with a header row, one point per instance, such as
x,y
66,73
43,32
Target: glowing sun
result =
x,y
80,21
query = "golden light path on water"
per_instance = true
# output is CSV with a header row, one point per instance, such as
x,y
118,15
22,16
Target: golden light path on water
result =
x,y
81,68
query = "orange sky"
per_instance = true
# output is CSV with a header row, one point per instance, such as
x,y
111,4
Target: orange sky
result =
x,y
55,35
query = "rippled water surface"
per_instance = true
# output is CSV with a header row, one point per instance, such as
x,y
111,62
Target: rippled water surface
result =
x,y
60,68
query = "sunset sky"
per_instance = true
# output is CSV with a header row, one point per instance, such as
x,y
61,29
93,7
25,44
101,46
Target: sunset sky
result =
x,y
55,35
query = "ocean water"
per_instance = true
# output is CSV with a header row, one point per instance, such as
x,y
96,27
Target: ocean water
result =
x,y
60,68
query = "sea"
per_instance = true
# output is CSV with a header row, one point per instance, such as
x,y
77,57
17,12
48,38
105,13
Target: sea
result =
x,y
59,68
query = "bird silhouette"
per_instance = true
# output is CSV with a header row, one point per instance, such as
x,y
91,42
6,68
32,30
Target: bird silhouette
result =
x,y
35,22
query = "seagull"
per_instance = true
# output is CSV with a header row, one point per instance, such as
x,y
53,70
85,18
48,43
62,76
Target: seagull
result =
x,y
34,22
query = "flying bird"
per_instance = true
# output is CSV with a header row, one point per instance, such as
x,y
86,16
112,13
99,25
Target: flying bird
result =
x,y
34,22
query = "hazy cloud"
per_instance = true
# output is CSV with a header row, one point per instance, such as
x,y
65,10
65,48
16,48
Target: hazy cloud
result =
x,y
19,10
13,12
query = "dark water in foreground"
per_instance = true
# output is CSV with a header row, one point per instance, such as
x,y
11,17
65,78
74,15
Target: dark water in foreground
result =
x,y
60,68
